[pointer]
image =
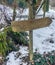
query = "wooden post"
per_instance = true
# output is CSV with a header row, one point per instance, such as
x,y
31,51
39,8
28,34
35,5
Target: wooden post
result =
x,y
30,34
27,25
14,10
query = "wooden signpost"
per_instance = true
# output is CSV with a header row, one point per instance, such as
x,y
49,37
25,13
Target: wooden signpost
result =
x,y
27,25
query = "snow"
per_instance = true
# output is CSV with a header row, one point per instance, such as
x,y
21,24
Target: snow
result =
x,y
21,13
22,48
41,40
12,59
1,29
41,35
7,11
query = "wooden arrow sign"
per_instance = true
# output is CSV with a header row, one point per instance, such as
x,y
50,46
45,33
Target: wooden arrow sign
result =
x,y
27,25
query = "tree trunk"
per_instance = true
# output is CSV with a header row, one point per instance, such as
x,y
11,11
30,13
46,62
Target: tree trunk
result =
x,y
14,10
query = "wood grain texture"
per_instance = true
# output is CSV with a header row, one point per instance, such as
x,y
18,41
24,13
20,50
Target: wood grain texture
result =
x,y
27,25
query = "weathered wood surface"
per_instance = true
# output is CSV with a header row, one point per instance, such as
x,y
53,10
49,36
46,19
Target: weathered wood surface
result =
x,y
27,25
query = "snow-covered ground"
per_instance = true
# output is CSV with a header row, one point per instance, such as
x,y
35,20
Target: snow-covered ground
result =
x,y
17,61
43,38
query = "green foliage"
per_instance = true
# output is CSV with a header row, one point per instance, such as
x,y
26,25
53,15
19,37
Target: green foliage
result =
x,y
18,38
9,40
46,5
44,59
22,4
10,44
34,1
3,44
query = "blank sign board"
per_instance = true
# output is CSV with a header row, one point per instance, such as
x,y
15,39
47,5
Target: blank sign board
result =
x,y
27,25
